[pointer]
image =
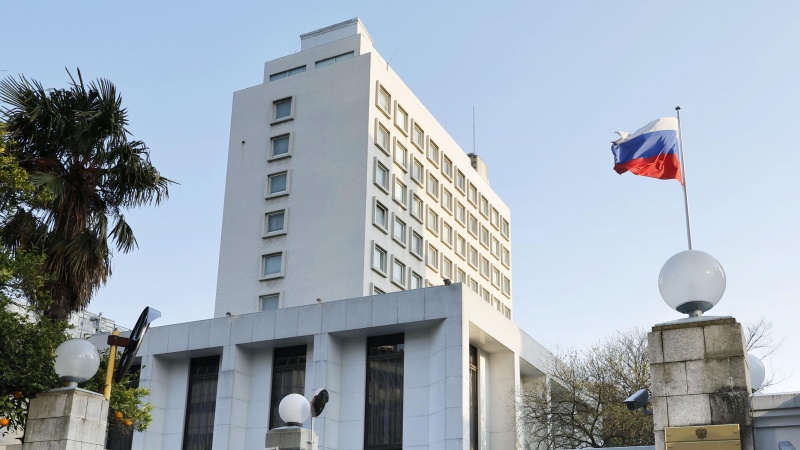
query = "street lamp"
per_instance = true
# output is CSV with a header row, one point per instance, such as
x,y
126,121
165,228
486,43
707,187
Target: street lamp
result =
x,y
77,360
692,282
294,409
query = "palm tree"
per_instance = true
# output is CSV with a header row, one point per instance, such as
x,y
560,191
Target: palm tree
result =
x,y
74,146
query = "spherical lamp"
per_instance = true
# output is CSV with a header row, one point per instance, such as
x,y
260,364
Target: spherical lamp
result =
x,y
691,282
294,410
757,371
77,360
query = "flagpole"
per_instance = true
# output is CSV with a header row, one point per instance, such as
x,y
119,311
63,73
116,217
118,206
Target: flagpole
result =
x,y
683,180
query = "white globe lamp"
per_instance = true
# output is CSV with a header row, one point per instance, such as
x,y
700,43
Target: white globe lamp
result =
x,y
692,282
294,409
77,360
757,371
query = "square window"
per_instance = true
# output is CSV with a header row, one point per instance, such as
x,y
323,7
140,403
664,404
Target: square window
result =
x,y
282,109
472,195
461,213
472,225
461,182
415,281
504,228
417,172
418,137
384,101
400,156
484,207
382,137
381,216
398,273
485,237
495,247
461,246
433,153
399,192
280,146
505,256
269,302
447,167
379,256
447,268
272,265
447,234
495,277
473,257
433,186
417,207
495,218
487,296
401,119
497,304
432,259
432,221
381,176
277,184
474,286
275,223
399,231
447,200
417,244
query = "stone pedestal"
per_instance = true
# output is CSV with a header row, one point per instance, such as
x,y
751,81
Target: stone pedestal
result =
x,y
291,438
66,419
699,376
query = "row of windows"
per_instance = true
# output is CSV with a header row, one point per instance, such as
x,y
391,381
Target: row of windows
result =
x,y
408,199
437,158
320,63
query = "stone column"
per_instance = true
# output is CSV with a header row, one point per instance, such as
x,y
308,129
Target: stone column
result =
x,y
699,376
66,419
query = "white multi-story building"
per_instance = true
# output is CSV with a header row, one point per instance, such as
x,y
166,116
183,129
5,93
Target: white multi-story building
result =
x,y
341,184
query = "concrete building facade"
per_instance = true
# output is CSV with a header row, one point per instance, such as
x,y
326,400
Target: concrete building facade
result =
x,y
340,184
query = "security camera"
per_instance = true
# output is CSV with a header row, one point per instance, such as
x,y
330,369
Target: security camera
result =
x,y
639,399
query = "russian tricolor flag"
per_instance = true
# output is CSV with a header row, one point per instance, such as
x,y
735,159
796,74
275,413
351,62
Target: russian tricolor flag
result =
x,y
652,151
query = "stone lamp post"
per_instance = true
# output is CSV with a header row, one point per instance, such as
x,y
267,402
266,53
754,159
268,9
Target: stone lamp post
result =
x,y
698,364
69,418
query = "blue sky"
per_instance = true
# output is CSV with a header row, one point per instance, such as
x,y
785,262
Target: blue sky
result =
x,y
550,81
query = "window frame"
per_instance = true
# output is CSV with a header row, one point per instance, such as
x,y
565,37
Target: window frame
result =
x,y
376,206
485,268
387,147
460,178
278,296
400,112
472,220
334,59
505,256
404,226
286,73
265,230
472,251
398,181
418,253
505,288
416,131
270,176
447,205
416,163
460,246
397,354
505,228
376,165
416,213
281,273
381,89
432,255
447,173
289,146
292,108
435,229
403,151
494,218
485,237
375,249
429,187
446,238
392,277
434,153
460,213
415,276
447,263
472,191
484,207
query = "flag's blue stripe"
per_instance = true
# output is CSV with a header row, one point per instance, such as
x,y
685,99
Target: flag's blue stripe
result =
x,y
647,145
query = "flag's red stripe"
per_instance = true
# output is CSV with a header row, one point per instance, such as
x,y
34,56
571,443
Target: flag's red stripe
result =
x,y
662,166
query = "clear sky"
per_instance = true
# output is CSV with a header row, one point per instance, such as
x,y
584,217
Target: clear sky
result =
x,y
550,81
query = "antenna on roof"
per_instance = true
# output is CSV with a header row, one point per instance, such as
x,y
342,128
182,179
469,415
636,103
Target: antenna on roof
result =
x,y
473,129
391,57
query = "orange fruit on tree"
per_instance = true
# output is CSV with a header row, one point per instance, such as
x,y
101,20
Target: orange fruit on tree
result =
x,y
128,422
17,395
4,421
118,415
